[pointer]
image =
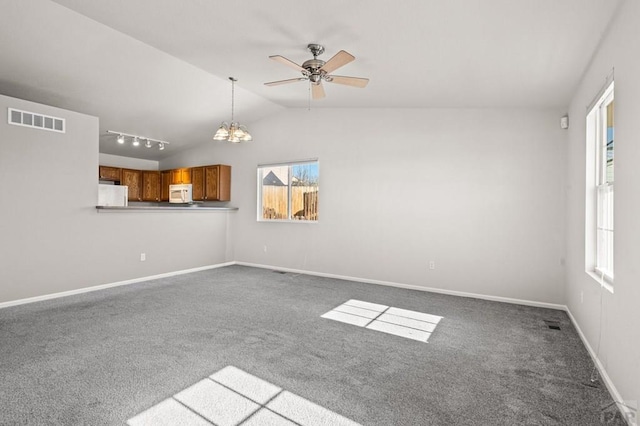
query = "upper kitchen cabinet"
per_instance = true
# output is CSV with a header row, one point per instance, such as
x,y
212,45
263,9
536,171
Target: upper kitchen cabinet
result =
x,y
109,173
180,176
197,182
151,185
133,179
217,183
211,183
165,181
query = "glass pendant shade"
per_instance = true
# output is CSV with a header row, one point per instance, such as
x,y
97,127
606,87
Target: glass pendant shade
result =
x,y
237,131
222,133
247,136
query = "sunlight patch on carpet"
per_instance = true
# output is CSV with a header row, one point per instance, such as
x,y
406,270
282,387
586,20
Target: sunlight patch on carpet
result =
x,y
399,322
233,397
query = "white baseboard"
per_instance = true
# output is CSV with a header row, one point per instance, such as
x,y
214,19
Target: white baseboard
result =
x,y
629,416
109,285
413,287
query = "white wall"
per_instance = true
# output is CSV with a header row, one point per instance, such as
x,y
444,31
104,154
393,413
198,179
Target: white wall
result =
x,y
614,317
52,239
127,162
480,192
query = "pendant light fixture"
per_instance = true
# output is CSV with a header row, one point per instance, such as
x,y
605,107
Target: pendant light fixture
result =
x,y
235,132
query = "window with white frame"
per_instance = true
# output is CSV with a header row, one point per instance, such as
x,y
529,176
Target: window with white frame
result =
x,y
600,140
288,191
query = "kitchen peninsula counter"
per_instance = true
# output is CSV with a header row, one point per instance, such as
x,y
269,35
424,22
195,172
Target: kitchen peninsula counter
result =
x,y
165,208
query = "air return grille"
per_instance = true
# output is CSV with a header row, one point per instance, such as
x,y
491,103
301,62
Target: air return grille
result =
x,y
37,121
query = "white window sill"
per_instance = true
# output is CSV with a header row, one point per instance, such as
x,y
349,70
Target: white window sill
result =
x,y
606,283
286,221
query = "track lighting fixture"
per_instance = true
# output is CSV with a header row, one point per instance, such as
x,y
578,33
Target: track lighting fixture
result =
x,y
135,140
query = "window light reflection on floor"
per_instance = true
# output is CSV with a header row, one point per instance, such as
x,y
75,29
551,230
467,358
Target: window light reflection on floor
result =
x,y
400,322
232,397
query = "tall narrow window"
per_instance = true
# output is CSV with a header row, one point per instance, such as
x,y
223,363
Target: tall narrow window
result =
x,y
288,191
601,121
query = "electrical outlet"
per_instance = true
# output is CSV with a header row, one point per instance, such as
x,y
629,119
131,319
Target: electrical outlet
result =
x,y
432,264
265,248
143,257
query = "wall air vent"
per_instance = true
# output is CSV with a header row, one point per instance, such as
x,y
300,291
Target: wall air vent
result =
x,y
36,121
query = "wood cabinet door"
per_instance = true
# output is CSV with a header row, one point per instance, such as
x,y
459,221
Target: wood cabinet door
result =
x,y
197,182
176,176
150,185
165,181
217,183
109,173
132,179
179,176
186,176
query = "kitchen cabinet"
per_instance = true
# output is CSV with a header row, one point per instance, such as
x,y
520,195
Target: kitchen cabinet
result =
x,y
180,176
165,181
132,179
197,183
151,181
109,173
217,183
211,183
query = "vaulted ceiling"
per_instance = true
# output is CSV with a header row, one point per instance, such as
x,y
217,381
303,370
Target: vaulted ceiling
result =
x,y
159,68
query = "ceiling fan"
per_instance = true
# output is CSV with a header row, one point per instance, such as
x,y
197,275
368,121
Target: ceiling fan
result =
x,y
315,70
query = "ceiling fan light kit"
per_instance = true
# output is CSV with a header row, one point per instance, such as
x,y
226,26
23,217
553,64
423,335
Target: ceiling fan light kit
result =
x,y
316,70
234,132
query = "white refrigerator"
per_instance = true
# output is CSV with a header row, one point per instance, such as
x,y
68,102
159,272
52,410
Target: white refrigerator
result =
x,y
113,195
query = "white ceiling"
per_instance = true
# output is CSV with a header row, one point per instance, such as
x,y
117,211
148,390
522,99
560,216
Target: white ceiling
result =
x,y
159,68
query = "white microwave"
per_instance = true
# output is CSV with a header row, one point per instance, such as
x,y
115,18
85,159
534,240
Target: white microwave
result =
x,y
181,193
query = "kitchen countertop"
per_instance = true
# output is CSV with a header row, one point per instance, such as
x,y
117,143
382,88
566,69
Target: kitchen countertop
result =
x,y
193,207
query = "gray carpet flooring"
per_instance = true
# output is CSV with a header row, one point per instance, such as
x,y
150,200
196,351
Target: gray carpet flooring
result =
x,y
102,358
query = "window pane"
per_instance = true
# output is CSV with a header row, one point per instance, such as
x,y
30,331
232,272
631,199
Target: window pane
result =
x,y
289,191
275,192
604,255
304,191
609,141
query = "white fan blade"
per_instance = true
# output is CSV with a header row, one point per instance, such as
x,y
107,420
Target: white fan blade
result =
x,y
279,82
317,91
339,59
287,62
349,81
